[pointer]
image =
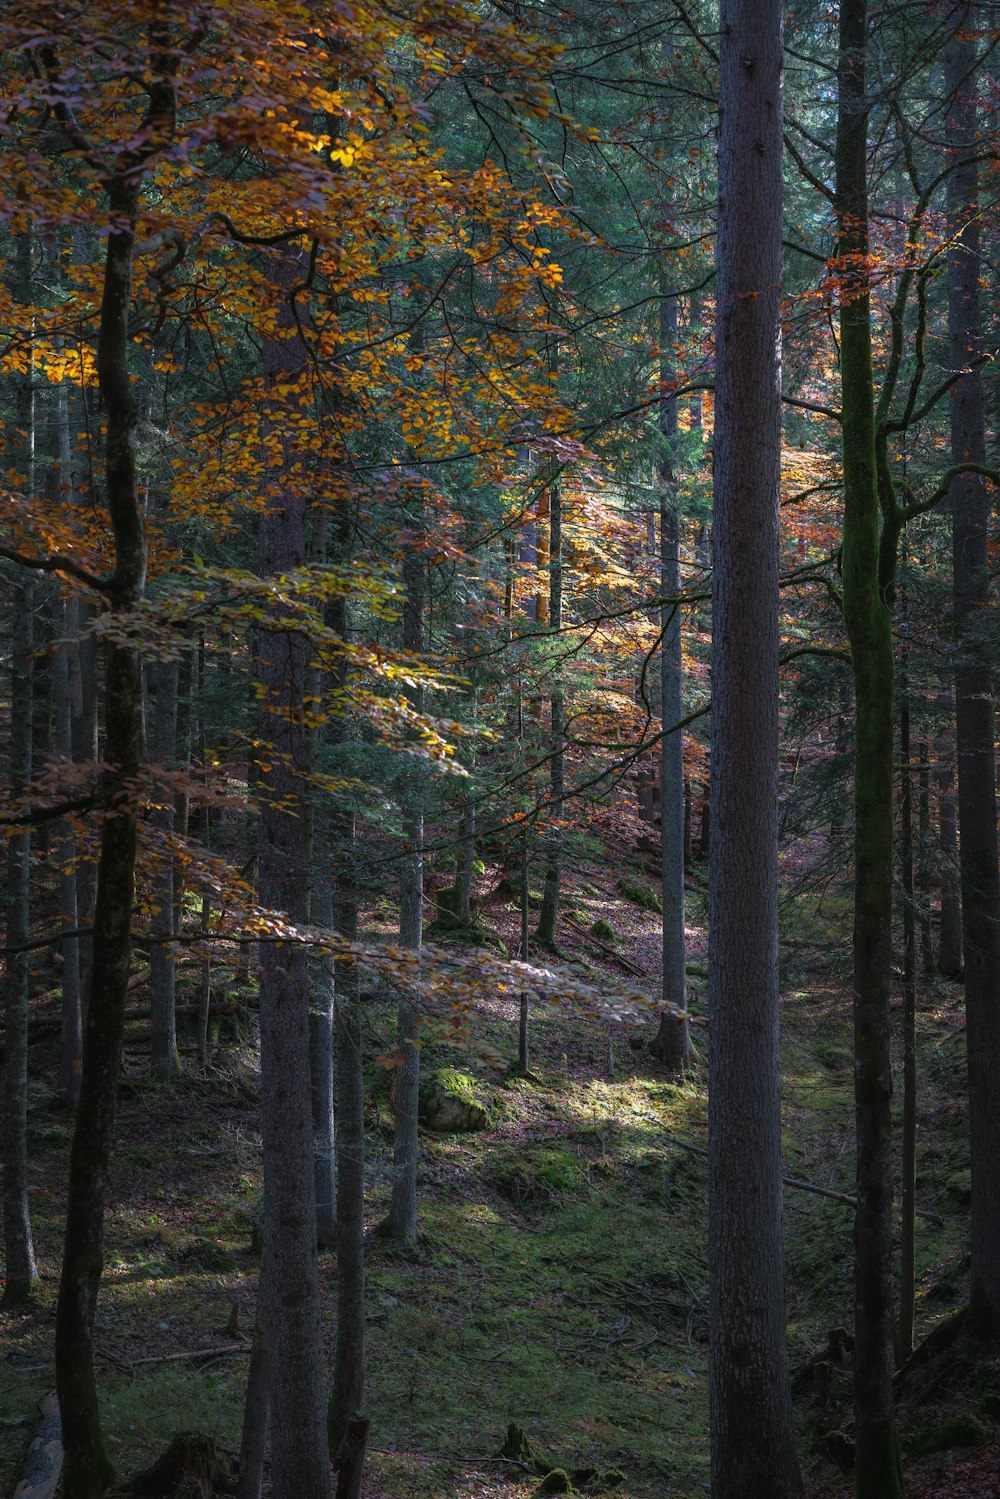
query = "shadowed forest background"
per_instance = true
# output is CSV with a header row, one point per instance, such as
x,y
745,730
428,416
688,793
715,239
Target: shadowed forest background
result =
x,y
501,967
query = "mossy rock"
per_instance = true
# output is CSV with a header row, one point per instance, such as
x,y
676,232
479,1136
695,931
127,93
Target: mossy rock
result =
x,y
449,1104
557,1481
603,930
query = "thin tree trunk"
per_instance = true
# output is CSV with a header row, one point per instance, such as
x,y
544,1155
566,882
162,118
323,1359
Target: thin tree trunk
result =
x,y
548,916
866,612
348,1392
973,684
752,1437
908,1193
949,960
67,630
322,980
164,1059
22,1272
923,883
256,1403
406,1093
672,1043
467,854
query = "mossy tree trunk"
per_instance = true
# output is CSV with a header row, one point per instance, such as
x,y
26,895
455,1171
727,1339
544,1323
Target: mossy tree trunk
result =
x,y
752,1437
867,616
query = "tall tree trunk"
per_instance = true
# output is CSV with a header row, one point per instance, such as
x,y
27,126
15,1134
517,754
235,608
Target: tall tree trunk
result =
x,y
548,916
866,612
908,1194
973,684
923,884
66,633
406,1101
348,1392
672,1043
164,1060
752,1438
322,990
88,1468
299,1452
22,1272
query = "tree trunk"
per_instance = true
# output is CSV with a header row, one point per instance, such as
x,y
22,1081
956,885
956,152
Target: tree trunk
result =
x,y
866,612
66,631
672,1043
348,1393
973,684
299,1452
908,1194
164,1059
21,1270
88,1468
256,1403
752,1438
548,916
949,960
322,987
406,1093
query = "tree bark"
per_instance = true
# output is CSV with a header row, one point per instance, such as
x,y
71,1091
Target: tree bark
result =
x,y
752,1438
300,1460
88,1469
977,807
866,613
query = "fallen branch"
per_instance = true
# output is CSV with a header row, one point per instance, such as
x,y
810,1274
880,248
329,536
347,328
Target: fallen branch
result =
x,y
43,1460
608,951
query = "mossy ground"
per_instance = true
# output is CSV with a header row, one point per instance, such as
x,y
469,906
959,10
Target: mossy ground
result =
x,y
560,1279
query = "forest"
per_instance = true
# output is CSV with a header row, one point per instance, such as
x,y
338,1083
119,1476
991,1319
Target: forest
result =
x,y
501,943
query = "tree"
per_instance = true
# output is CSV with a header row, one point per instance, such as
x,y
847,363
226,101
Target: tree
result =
x,y
753,1443
975,729
868,565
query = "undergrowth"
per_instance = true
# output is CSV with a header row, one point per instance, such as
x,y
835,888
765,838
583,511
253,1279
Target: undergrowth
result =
x,y
560,1279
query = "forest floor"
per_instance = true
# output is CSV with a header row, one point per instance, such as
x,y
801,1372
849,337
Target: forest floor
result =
x,y
560,1280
